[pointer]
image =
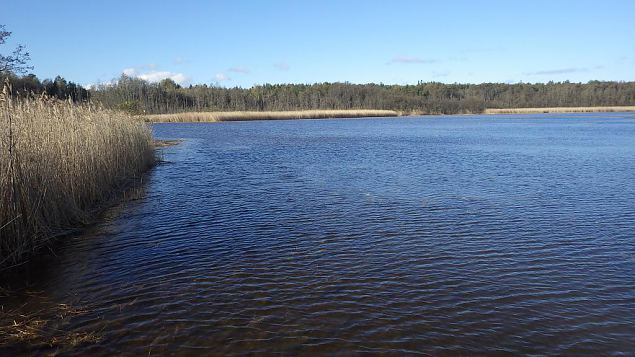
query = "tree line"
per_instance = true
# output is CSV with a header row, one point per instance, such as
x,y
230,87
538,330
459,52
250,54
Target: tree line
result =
x,y
57,88
139,96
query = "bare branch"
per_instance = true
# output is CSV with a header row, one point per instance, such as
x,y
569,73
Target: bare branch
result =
x,y
17,61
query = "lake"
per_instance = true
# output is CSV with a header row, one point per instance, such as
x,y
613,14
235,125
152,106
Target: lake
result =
x,y
423,235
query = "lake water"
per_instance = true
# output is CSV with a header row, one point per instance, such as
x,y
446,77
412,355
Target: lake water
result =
x,y
436,235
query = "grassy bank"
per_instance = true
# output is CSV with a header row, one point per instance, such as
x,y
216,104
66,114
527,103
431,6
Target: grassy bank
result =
x,y
561,110
58,162
190,117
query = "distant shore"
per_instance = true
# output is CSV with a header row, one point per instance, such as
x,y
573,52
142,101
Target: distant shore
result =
x,y
561,110
196,117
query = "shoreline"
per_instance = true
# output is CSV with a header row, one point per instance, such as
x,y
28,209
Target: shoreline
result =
x,y
62,161
212,117
215,117
564,110
127,189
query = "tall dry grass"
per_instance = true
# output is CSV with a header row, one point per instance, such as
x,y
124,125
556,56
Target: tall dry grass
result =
x,y
58,162
561,110
190,117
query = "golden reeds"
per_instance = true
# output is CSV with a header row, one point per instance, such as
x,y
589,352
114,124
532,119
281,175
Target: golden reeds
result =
x,y
561,110
190,117
58,162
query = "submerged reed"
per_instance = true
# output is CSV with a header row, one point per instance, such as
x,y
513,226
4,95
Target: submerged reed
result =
x,y
58,162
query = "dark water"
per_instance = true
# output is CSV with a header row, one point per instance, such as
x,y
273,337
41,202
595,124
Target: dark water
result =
x,y
440,236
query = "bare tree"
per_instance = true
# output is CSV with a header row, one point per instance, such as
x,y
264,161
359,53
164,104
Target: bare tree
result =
x,y
16,62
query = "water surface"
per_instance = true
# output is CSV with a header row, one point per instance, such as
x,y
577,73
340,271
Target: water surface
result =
x,y
436,235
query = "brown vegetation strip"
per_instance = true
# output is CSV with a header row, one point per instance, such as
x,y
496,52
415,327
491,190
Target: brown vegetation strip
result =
x,y
561,110
272,115
58,161
194,117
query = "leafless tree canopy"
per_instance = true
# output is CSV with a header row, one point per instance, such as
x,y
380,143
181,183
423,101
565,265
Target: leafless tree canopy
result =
x,y
15,62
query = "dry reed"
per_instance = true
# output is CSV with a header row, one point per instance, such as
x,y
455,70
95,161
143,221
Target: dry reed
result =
x,y
58,162
560,110
190,117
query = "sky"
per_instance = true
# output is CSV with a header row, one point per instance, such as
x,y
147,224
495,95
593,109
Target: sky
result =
x,y
243,43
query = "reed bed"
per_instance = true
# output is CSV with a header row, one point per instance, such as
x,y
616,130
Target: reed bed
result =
x,y
190,117
561,110
59,162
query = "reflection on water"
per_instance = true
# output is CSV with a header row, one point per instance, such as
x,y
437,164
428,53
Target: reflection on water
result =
x,y
438,236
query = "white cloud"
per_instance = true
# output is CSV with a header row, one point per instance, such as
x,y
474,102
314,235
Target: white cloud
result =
x,y
156,76
130,72
99,83
221,77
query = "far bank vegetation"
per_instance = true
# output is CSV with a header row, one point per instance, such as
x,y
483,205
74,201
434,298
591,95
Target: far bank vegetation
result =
x,y
140,97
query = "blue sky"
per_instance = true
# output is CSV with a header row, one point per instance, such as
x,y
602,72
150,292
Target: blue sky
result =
x,y
242,43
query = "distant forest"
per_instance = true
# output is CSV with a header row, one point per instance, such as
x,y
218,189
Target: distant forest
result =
x,y
138,96
56,88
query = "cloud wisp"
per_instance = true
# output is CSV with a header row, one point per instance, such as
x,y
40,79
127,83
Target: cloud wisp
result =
x,y
482,50
440,74
157,76
241,70
221,77
179,60
412,60
557,71
627,60
281,66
